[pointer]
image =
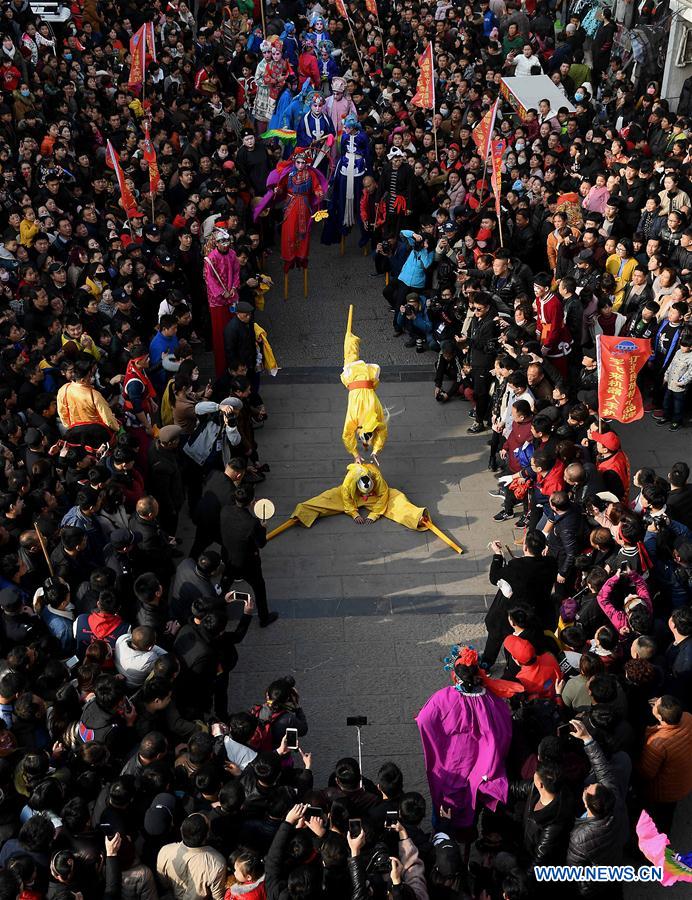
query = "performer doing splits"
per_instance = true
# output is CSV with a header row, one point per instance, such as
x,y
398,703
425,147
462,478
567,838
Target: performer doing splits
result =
x,y
364,488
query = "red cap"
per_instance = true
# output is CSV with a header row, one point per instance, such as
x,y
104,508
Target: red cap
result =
x,y
454,147
607,439
484,234
519,648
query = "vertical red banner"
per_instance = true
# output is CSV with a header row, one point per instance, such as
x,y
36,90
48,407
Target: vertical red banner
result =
x,y
424,97
621,360
127,200
137,57
149,153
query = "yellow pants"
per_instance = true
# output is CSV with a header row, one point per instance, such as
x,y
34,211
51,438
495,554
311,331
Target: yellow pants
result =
x,y
330,503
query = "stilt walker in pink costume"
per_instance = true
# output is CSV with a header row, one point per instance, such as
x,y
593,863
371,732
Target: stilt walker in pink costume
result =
x,y
466,731
222,277
337,106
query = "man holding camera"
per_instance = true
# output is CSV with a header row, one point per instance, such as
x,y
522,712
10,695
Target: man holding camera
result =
x,y
413,319
481,346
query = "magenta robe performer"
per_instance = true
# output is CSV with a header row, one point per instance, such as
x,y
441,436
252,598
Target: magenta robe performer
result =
x,y
466,731
221,277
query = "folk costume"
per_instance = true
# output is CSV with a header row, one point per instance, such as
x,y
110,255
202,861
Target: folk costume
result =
x,y
347,183
222,278
365,418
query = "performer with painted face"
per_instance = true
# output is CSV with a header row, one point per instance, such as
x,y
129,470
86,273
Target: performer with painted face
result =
x,y
315,126
276,73
303,188
263,106
307,61
328,66
338,106
347,184
318,29
394,193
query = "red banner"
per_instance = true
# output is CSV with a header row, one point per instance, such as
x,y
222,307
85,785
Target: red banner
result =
x,y
497,151
620,360
149,153
483,132
138,60
150,41
127,200
341,9
371,6
425,89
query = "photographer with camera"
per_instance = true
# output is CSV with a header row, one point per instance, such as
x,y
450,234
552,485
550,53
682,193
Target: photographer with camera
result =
x,y
413,319
480,345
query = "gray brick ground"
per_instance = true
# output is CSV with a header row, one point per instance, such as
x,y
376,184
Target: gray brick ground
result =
x,y
369,614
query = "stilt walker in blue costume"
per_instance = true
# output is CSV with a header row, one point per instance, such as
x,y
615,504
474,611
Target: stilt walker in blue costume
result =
x,y
347,183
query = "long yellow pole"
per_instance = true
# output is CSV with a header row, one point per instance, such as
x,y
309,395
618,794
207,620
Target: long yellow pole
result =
x,y
349,323
289,523
442,536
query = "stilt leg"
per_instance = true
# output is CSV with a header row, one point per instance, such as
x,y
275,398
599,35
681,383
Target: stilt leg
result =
x,y
289,523
442,536
342,247
366,252
285,286
386,278
305,283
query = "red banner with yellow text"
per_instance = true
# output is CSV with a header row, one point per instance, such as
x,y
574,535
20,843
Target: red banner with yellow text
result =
x,y
425,89
497,151
483,132
127,199
138,60
149,153
620,361
371,6
341,9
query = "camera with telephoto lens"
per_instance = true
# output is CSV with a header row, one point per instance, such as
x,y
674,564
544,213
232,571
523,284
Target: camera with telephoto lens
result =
x,y
410,311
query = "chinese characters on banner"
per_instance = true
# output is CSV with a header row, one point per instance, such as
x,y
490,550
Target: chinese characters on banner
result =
x,y
497,149
127,200
621,360
371,6
482,133
341,9
425,90
138,60
149,153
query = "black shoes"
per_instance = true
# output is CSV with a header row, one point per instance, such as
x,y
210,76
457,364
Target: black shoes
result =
x,y
272,617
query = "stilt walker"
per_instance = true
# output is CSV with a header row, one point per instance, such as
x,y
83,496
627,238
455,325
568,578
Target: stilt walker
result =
x,y
365,425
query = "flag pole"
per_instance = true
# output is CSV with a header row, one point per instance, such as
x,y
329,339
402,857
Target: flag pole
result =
x,y
355,42
432,60
264,22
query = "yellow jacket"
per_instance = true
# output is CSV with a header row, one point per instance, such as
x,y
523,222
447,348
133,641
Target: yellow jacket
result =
x,y
613,266
268,359
82,404
376,502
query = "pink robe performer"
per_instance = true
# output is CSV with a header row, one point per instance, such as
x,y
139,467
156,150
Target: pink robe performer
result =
x,y
222,277
466,738
337,106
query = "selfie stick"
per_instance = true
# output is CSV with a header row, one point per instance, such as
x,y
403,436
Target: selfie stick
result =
x,y
360,750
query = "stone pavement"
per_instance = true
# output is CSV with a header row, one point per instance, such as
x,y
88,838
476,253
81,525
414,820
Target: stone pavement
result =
x,y
369,613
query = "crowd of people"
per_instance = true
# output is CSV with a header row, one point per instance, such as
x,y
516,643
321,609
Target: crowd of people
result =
x,y
126,769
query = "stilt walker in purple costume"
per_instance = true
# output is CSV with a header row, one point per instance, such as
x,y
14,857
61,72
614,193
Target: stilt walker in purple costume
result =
x,y
466,730
337,106
347,183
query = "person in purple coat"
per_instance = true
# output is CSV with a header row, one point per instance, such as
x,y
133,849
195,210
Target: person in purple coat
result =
x,y
466,730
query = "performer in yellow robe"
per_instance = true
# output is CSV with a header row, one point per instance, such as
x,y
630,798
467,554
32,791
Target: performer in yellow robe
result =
x,y
362,488
365,419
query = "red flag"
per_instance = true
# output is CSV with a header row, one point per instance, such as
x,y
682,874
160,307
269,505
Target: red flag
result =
x,y
425,89
482,133
620,361
127,200
371,6
150,41
341,9
137,57
149,153
497,150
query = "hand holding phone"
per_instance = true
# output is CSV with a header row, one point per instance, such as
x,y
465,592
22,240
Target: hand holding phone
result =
x,y
291,738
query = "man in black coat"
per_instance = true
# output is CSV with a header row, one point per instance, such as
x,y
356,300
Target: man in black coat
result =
x,y
481,343
565,538
242,537
165,477
547,815
527,581
239,340
219,491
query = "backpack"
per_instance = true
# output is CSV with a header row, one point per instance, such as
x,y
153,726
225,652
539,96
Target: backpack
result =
x,y
261,739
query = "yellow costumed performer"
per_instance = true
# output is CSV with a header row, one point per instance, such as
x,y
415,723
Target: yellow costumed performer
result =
x,y
364,488
365,422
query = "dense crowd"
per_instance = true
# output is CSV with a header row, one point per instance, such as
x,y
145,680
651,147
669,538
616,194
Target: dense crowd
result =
x,y
126,769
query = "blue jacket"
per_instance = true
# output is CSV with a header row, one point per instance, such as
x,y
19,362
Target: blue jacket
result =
x,y
60,626
413,272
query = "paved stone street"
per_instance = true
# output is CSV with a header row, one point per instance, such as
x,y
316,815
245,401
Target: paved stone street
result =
x,y
368,614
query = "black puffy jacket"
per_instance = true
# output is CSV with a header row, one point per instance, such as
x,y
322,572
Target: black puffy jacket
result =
x,y
547,830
